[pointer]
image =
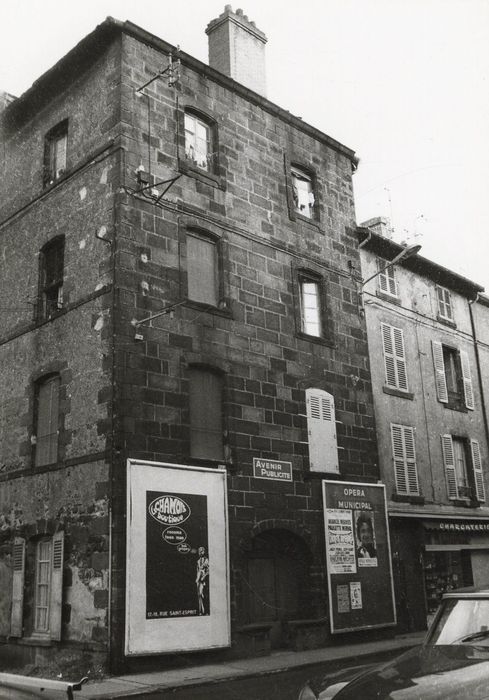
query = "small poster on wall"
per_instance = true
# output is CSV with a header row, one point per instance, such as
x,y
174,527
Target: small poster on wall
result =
x,y
177,582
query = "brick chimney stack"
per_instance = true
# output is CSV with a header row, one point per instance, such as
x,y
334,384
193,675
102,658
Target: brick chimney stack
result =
x,y
237,49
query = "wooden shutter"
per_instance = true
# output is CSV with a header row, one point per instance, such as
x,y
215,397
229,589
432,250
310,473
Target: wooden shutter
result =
x,y
202,270
56,595
467,380
439,365
404,455
394,357
18,574
387,280
206,430
449,462
321,428
480,491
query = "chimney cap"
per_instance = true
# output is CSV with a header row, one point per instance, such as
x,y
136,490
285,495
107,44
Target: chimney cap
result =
x,y
239,18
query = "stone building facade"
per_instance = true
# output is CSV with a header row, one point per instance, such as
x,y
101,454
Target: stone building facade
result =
x,y
177,287
427,329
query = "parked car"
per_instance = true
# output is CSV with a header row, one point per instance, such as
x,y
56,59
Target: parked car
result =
x,y
16,687
451,664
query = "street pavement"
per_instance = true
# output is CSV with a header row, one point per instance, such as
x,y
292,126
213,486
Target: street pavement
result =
x,y
151,685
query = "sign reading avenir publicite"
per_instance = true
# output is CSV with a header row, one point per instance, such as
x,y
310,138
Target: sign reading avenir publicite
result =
x,y
272,469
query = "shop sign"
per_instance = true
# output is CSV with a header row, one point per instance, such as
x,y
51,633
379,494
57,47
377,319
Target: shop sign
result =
x,y
361,594
454,526
177,589
272,469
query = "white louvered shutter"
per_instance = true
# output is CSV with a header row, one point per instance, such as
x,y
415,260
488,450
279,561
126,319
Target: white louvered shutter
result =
x,y
439,365
387,280
56,601
449,462
321,428
467,380
394,357
480,491
404,456
18,574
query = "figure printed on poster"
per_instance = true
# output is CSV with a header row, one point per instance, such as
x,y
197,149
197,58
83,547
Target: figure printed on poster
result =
x,y
366,546
202,581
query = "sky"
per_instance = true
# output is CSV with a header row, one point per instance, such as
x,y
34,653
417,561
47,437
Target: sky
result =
x,y
404,83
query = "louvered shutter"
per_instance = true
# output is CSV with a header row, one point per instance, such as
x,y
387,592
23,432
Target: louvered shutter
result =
x,y
480,490
387,280
321,427
404,455
449,462
398,456
394,357
467,380
56,600
18,574
439,365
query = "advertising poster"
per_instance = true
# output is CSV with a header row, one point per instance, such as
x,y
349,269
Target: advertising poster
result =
x,y
361,593
177,580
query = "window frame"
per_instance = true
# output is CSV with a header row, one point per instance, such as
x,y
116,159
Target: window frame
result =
x,y
50,291
387,279
214,174
307,275
298,172
303,280
197,425
53,420
464,398
51,172
291,162
474,488
39,630
444,304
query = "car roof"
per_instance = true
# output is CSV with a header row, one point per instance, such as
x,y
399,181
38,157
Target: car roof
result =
x,y
468,592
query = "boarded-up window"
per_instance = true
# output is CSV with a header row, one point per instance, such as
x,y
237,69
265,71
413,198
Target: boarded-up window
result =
x,y
394,357
206,429
321,427
46,430
202,269
387,278
404,456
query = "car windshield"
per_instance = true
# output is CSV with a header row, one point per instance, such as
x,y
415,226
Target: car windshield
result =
x,y
462,621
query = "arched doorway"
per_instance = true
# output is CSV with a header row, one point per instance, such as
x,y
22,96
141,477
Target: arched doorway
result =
x,y
277,581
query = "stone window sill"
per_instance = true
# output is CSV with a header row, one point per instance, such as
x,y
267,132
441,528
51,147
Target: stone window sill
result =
x,y
398,392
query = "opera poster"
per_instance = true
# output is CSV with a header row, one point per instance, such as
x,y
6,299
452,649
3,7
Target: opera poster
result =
x,y
358,560
177,564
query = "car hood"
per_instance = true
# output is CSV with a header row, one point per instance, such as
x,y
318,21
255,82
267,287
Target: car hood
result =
x,y
458,672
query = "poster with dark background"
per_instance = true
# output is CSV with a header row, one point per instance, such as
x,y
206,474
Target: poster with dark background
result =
x,y
177,555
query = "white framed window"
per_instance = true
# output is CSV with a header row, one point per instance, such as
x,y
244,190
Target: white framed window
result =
x,y
452,376
303,192
321,428
55,149
387,278
404,458
394,357
205,403
202,269
310,300
46,423
198,141
463,468
445,309
42,593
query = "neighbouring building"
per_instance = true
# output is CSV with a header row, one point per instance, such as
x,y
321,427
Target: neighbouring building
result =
x,y
428,336
179,316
